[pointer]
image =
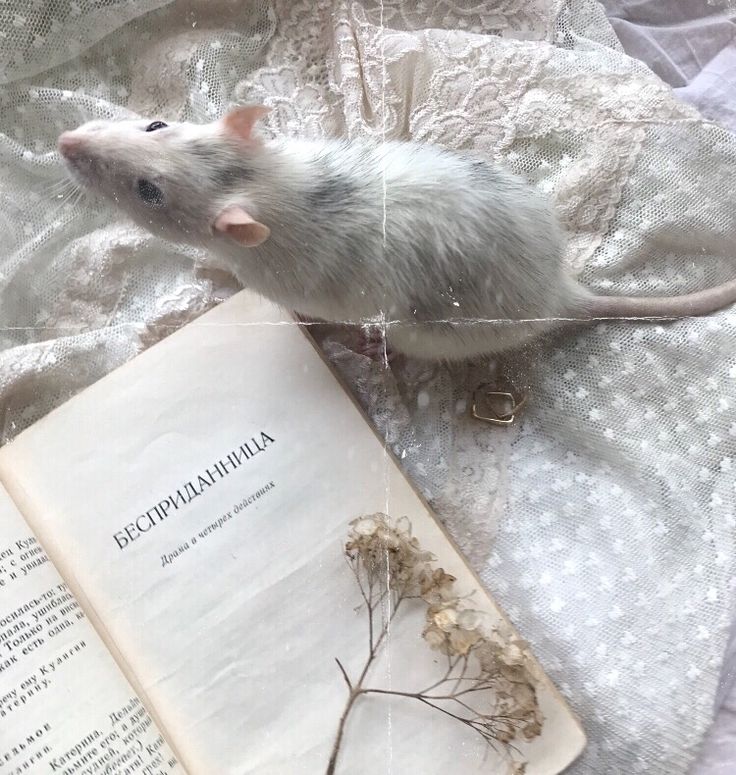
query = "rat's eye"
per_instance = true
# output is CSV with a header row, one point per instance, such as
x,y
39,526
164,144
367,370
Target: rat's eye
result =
x,y
150,193
154,125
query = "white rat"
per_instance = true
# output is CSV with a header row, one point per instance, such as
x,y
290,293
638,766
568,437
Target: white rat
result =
x,y
457,257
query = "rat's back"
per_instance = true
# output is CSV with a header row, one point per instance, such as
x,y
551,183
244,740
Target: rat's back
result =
x,y
422,234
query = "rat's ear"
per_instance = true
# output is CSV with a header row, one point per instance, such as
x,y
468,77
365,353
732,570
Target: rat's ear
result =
x,y
240,121
237,224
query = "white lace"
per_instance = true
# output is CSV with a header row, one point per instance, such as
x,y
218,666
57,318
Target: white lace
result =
x,y
604,521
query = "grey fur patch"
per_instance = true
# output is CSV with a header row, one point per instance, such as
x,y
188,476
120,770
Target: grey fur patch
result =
x,y
225,174
333,193
204,151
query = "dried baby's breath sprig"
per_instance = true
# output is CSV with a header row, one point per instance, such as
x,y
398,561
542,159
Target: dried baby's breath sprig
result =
x,y
387,552
487,685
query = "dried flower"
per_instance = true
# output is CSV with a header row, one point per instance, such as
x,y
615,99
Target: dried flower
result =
x,y
436,586
488,685
387,551
451,629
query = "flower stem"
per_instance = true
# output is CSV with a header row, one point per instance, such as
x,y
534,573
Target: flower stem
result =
x,y
332,764
357,689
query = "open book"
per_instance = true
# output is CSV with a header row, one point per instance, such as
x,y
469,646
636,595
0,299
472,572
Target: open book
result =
x,y
199,613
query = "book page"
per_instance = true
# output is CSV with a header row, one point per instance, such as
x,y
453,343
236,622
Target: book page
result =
x,y
200,500
65,706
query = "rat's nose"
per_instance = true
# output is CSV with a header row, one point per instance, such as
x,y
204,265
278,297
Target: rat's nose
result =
x,y
69,144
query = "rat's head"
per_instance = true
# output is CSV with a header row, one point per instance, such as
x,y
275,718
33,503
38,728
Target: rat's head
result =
x,y
186,182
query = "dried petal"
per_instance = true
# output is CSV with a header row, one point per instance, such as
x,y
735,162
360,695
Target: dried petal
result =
x,y
366,526
532,730
388,538
445,619
524,697
512,655
434,637
487,655
470,619
461,641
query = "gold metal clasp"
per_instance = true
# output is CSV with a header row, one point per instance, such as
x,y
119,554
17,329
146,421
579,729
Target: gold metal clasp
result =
x,y
499,407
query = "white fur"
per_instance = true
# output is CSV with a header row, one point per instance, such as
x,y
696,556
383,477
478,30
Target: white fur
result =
x,y
455,256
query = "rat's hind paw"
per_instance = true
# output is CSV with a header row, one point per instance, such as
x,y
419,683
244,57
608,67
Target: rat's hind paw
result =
x,y
372,344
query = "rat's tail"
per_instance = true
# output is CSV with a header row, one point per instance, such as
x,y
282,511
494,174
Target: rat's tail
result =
x,y
661,307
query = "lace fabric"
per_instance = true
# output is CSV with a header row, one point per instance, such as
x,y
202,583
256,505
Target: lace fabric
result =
x,y
603,521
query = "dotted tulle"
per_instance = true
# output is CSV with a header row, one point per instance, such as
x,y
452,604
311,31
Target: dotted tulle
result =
x,y
604,520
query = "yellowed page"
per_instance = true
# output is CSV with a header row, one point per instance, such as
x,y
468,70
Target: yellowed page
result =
x,y
200,497
64,704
